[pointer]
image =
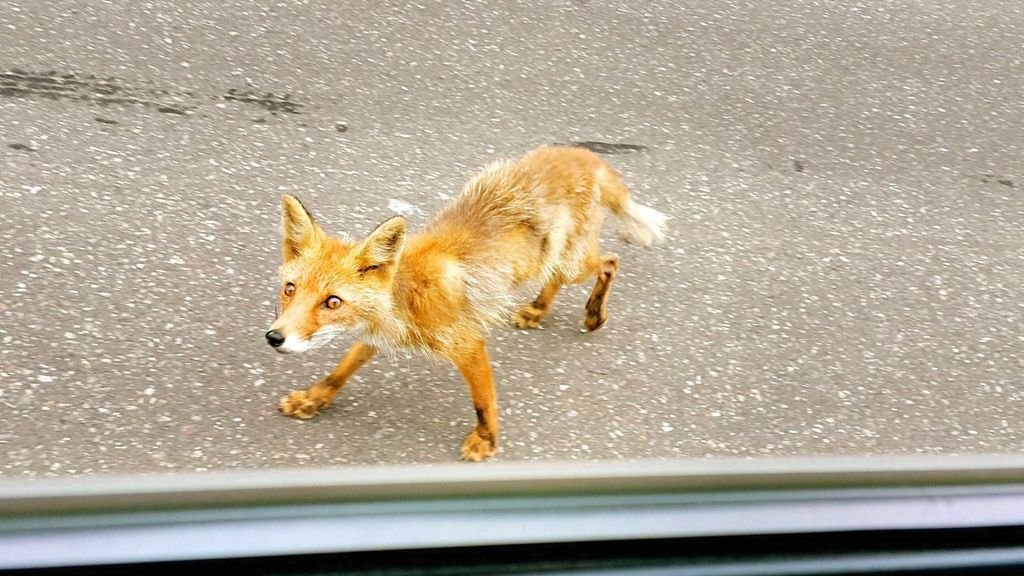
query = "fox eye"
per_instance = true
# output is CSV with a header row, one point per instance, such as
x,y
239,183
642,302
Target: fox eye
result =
x,y
332,302
289,289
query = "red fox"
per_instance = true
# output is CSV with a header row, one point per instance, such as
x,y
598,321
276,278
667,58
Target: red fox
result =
x,y
535,221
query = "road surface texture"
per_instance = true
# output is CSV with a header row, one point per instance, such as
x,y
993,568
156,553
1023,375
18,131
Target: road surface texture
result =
x,y
844,274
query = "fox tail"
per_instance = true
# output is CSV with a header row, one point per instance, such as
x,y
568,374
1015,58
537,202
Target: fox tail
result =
x,y
639,224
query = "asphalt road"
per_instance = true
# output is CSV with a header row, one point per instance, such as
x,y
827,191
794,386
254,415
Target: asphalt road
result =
x,y
844,272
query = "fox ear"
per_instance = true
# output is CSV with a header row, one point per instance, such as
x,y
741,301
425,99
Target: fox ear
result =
x,y
383,245
299,230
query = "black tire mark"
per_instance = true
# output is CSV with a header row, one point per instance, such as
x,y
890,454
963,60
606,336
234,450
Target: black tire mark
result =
x,y
268,101
608,147
989,178
111,91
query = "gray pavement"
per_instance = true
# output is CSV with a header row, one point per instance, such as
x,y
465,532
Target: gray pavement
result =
x,y
844,273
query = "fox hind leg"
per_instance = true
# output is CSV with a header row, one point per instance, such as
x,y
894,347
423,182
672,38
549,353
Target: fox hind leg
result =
x,y
603,267
531,315
595,312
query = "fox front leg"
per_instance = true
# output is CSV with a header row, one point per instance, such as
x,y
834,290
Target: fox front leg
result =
x,y
305,404
475,366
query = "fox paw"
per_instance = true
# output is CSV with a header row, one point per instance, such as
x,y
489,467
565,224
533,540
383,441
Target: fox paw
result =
x,y
300,405
596,313
477,448
594,322
528,317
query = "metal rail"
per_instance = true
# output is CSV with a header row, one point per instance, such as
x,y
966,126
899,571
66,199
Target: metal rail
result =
x,y
126,519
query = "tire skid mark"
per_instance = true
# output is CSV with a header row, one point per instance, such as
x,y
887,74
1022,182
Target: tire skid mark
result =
x,y
112,91
607,147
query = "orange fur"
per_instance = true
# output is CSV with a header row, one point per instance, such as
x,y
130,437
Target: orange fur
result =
x,y
516,226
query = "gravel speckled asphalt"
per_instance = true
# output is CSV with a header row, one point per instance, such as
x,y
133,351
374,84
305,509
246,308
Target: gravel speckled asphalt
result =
x,y
845,273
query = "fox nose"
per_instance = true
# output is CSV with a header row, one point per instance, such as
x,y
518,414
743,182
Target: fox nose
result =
x,y
275,338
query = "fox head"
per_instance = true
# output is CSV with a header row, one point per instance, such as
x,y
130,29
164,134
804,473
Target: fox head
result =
x,y
330,286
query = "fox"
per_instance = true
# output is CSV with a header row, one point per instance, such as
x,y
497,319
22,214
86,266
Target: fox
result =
x,y
517,225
